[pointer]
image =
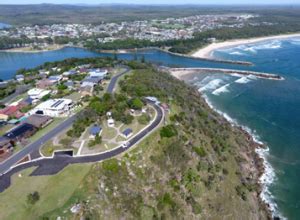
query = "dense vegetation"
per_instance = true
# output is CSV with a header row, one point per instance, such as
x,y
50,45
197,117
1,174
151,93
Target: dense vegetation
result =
x,y
54,14
193,167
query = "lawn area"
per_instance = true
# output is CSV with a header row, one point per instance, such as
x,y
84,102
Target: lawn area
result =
x,y
54,192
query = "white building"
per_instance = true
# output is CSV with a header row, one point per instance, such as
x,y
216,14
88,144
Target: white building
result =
x,y
97,73
54,107
37,94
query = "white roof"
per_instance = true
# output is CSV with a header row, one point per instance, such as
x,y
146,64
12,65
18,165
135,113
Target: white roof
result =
x,y
54,104
37,92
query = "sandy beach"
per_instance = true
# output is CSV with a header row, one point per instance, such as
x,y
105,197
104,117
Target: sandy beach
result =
x,y
206,52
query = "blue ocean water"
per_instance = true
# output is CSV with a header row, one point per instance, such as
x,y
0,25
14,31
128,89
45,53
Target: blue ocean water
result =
x,y
269,108
3,25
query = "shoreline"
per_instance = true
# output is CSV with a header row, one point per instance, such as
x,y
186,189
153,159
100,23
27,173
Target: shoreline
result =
x,y
207,52
263,170
179,72
29,50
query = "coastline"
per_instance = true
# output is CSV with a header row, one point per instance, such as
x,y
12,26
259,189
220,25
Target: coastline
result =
x,y
30,50
207,52
257,162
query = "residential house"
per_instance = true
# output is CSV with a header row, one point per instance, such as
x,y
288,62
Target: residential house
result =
x,y
95,130
127,133
86,90
5,145
21,132
38,121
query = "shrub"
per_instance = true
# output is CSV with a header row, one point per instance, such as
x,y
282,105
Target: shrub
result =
x,y
32,198
200,151
168,131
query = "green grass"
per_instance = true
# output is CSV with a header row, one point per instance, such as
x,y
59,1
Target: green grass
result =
x,y
54,192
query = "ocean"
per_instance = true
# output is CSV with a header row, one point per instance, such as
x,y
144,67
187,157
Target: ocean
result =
x,y
268,108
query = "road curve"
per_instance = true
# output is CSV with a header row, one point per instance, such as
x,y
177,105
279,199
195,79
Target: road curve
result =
x,y
8,163
50,166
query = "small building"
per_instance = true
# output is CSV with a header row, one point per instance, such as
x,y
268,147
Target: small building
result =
x,y
54,108
44,83
3,117
12,111
69,73
5,145
86,90
110,122
98,73
95,130
127,133
69,84
36,94
55,79
21,132
20,78
38,121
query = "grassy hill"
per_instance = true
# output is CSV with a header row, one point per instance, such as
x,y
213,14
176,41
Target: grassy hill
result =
x,y
196,166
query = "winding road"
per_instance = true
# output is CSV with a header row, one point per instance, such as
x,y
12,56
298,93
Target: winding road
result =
x,y
52,165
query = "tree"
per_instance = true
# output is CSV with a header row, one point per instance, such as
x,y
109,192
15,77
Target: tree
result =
x,y
168,131
136,104
32,198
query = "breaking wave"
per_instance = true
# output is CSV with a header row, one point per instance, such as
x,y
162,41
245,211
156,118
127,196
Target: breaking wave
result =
x,y
222,89
268,177
212,85
243,80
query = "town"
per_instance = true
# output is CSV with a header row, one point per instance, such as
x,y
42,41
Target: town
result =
x,y
55,96
152,30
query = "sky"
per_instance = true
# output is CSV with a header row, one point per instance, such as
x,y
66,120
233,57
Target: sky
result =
x,y
151,1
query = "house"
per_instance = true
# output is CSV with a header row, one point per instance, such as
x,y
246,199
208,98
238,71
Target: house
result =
x,y
3,117
27,101
69,73
36,94
5,145
38,121
69,84
127,133
95,130
55,79
12,111
21,132
97,73
44,83
54,108
20,78
86,90
92,80
110,122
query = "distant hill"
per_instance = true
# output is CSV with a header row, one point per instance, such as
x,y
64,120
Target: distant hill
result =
x,y
52,13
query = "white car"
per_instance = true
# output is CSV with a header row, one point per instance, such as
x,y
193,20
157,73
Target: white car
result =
x,y
125,145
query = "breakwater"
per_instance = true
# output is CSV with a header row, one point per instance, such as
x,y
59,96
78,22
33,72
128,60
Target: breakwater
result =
x,y
230,71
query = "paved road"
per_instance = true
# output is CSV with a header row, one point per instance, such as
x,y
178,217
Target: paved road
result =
x,y
50,166
34,147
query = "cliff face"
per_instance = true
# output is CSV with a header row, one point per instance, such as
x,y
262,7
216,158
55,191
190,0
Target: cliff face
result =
x,y
195,167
